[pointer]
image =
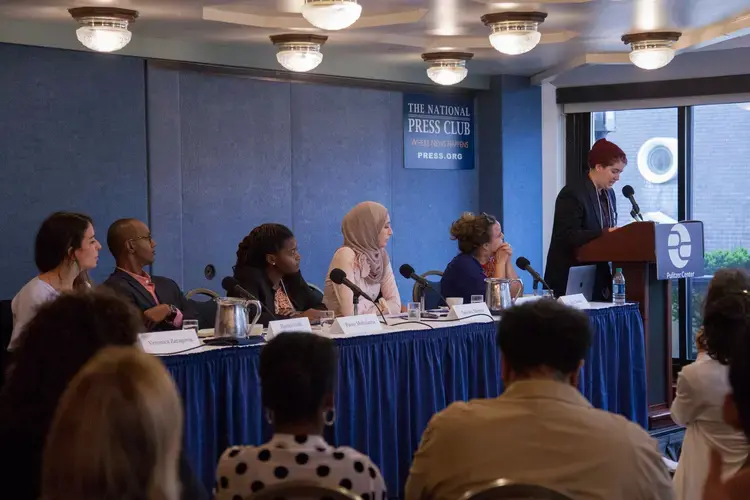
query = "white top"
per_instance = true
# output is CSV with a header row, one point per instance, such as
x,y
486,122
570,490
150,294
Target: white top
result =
x,y
338,298
243,470
701,388
33,294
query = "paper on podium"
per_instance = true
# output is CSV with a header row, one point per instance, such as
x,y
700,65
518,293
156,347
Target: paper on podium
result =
x,y
658,217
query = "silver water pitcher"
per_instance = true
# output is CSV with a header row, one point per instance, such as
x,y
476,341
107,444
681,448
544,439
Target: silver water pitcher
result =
x,y
233,317
497,293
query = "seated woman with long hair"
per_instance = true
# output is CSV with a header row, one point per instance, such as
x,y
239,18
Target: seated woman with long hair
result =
x,y
298,379
703,385
58,341
65,250
483,253
116,433
268,267
364,259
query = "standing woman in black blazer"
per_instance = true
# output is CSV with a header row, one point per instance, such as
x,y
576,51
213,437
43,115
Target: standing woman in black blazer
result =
x,y
268,267
585,209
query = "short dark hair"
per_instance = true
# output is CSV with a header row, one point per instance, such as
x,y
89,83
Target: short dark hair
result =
x,y
472,231
724,312
59,232
116,235
297,371
263,240
544,333
63,335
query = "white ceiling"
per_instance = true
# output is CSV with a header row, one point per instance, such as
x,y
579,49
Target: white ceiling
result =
x,y
391,34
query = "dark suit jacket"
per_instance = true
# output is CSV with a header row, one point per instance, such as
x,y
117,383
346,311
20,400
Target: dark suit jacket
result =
x,y
577,221
256,282
167,291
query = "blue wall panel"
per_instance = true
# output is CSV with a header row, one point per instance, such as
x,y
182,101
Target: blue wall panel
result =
x,y
236,167
72,137
341,145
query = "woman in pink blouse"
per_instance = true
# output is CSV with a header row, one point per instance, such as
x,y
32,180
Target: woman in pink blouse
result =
x,y
366,229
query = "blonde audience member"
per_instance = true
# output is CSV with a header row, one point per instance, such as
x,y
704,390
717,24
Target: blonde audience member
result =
x,y
541,430
116,433
65,250
701,389
364,259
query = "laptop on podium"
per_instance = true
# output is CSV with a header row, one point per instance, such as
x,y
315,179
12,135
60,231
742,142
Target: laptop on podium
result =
x,y
581,280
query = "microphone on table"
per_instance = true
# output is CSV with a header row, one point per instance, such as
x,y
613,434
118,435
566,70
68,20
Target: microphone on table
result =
x,y
523,264
408,272
231,284
338,276
629,193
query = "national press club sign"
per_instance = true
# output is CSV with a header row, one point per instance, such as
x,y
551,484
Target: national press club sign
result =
x,y
438,132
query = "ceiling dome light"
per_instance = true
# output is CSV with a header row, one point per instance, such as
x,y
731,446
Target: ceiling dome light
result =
x,y
298,52
331,15
651,50
103,29
447,68
514,33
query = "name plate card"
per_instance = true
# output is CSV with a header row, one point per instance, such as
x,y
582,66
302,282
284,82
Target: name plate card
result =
x,y
297,325
348,325
526,299
577,301
478,312
170,342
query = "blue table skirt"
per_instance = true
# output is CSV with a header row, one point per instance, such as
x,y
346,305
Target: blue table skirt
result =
x,y
390,385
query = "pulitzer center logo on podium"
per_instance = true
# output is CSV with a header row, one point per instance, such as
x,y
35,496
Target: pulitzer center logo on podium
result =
x,y
679,250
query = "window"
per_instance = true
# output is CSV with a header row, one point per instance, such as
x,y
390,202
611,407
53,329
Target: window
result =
x,y
720,194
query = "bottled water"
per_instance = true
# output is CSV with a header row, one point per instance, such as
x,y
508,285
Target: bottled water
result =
x,y
618,288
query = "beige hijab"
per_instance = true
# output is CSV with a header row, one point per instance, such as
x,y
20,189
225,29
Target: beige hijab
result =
x,y
361,228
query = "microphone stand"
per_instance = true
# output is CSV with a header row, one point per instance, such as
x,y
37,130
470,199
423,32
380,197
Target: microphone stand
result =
x,y
635,215
355,302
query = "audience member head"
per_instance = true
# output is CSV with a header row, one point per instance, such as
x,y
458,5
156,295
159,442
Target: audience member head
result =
x,y
606,163
63,335
478,235
367,229
724,313
298,377
130,243
66,243
737,403
116,432
271,247
543,339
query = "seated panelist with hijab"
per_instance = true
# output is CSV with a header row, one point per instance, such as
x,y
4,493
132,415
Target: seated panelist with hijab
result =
x,y
364,259
268,267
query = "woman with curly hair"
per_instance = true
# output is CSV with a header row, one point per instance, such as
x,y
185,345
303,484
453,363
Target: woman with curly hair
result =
x,y
268,267
703,385
484,253
58,341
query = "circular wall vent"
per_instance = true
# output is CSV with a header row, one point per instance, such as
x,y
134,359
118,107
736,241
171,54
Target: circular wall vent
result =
x,y
657,159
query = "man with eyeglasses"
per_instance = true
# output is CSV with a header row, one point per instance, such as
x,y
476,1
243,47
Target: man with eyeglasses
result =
x,y
163,304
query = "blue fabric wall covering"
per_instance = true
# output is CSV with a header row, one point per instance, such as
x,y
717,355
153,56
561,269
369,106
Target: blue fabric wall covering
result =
x,y
72,137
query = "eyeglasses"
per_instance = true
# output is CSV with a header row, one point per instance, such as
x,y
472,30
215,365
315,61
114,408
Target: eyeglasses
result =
x,y
147,237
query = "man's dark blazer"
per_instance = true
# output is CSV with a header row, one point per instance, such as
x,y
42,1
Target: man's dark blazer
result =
x,y
167,291
578,220
256,282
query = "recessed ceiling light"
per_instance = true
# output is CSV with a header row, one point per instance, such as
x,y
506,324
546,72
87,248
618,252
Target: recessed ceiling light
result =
x,y
514,33
651,50
298,52
447,68
103,29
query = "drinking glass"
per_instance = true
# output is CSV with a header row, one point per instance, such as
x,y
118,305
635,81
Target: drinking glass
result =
x,y
190,324
413,310
477,299
326,320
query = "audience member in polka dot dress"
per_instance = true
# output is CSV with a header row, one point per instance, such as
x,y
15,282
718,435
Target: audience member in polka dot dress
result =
x,y
298,374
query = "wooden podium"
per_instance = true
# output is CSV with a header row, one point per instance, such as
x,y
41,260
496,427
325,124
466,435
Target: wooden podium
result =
x,y
633,249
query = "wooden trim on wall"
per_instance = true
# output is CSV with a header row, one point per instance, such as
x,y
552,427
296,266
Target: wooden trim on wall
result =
x,y
311,78
717,85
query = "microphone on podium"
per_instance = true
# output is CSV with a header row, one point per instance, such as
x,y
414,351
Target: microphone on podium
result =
x,y
629,193
408,272
338,276
524,265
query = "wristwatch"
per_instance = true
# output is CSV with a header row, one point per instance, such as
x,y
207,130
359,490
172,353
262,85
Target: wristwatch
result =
x,y
172,313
